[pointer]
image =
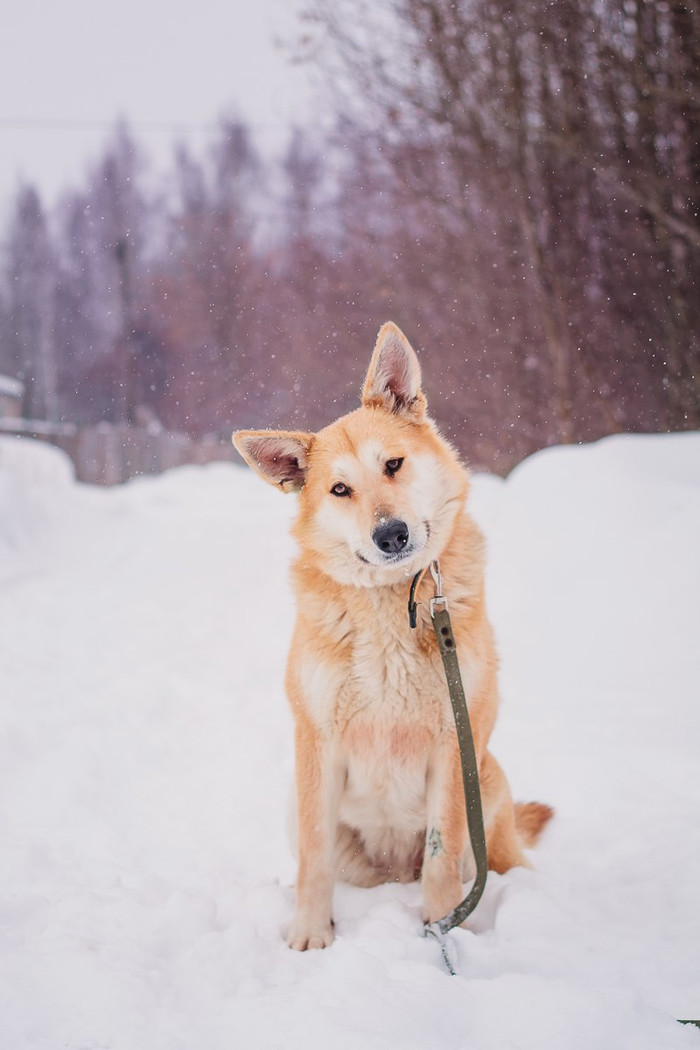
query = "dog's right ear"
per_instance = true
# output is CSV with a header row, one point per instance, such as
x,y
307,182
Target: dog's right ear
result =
x,y
280,457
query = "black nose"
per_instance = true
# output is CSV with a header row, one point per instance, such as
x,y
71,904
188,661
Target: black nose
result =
x,y
392,537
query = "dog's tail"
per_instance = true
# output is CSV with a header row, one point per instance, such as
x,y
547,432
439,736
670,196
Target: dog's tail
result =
x,y
531,818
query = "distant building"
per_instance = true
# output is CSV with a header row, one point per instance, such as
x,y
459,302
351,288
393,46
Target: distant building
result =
x,y
11,394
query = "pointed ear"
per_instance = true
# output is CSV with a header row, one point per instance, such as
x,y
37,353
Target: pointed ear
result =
x,y
393,379
278,456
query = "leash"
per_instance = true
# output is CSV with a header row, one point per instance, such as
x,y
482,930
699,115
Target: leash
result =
x,y
470,773
444,635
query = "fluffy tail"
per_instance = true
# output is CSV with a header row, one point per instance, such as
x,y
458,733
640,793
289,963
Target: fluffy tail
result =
x,y
531,819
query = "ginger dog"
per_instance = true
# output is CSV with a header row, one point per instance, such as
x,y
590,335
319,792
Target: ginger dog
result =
x,y
378,779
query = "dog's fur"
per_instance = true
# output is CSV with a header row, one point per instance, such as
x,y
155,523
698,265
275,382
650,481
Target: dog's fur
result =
x,y
378,777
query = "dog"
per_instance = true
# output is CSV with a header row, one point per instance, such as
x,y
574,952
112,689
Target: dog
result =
x,y
379,794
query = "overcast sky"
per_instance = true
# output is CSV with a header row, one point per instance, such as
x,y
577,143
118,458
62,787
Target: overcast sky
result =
x,y
69,69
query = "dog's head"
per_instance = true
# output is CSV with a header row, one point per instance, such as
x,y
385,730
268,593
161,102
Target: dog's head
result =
x,y
379,489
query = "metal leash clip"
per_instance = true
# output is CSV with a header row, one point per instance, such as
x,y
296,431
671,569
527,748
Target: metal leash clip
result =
x,y
439,598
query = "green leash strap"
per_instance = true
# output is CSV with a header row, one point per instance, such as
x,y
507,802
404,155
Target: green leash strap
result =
x,y
470,773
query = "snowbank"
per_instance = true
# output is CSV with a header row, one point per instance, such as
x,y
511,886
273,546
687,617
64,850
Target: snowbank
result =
x,y
29,471
145,757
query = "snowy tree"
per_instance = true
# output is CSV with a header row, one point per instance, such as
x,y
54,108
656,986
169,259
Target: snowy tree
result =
x,y
31,305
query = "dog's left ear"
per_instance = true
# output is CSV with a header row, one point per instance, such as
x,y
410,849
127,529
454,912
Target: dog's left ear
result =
x,y
280,457
393,380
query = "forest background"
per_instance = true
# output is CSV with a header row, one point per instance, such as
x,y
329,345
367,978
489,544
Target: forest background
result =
x,y
517,185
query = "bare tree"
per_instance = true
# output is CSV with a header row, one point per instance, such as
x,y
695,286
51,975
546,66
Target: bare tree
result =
x,y
570,126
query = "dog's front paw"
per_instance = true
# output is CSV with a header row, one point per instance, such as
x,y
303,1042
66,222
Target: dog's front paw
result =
x,y
303,935
440,895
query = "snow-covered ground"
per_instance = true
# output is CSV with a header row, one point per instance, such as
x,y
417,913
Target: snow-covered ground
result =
x,y
145,759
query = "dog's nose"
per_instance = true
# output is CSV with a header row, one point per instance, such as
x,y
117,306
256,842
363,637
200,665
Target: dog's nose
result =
x,y
392,537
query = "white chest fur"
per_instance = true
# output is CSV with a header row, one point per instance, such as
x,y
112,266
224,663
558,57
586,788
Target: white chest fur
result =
x,y
387,722
384,706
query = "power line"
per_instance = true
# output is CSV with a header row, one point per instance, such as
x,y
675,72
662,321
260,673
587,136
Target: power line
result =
x,y
170,127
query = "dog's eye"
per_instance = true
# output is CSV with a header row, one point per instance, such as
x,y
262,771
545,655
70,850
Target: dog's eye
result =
x,y
392,465
340,490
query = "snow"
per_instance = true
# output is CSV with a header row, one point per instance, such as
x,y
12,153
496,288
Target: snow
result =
x,y
145,760
11,387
